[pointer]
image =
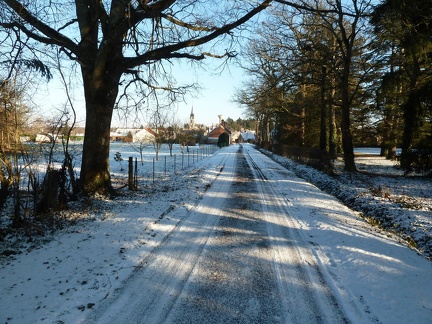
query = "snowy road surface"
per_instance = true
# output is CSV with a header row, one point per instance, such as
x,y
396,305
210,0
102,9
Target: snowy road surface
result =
x,y
238,257
238,239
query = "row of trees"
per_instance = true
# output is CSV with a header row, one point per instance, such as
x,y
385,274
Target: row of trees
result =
x,y
240,124
20,163
11,123
321,67
330,74
120,48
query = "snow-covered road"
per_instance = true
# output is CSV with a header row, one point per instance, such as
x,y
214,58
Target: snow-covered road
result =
x,y
150,294
235,258
260,245
243,255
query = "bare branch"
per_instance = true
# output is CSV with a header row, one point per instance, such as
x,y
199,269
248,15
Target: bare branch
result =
x,y
52,36
186,25
171,51
305,6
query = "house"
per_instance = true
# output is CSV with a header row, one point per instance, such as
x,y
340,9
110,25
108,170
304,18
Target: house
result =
x,y
235,136
43,138
78,133
145,135
247,136
217,135
123,134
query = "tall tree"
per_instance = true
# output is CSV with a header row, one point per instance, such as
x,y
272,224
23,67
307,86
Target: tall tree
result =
x,y
347,23
404,26
114,40
318,54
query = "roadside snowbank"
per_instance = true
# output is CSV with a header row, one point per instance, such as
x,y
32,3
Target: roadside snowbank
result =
x,y
381,193
62,276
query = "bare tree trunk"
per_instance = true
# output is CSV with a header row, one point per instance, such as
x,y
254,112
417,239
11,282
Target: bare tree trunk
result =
x,y
347,140
265,132
323,125
388,146
95,173
332,127
4,190
347,145
303,118
411,111
410,108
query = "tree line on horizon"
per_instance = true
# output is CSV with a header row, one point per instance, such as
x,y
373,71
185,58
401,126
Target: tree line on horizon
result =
x,y
324,75
338,76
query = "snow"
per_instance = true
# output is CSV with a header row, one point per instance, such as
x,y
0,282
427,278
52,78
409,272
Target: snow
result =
x,y
61,277
397,203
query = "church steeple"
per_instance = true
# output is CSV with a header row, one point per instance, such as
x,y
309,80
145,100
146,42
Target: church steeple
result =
x,y
192,119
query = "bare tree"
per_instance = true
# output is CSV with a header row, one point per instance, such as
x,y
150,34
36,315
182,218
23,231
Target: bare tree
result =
x,y
13,114
121,42
171,134
347,23
158,120
139,144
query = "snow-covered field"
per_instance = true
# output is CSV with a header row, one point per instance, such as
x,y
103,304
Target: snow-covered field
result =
x,y
382,194
61,276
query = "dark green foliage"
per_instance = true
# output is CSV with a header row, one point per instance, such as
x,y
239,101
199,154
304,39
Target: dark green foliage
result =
x,y
223,140
403,28
33,64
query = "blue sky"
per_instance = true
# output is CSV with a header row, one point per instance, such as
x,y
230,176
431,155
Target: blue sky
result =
x,y
215,98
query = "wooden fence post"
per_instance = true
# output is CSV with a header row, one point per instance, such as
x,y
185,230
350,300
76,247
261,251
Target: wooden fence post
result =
x,y
131,174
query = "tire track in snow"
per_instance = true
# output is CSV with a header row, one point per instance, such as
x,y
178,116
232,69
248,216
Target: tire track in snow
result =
x,y
149,295
309,295
234,281
236,258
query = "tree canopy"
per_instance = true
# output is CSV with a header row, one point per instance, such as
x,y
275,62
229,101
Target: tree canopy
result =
x,y
325,73
119,45
331,75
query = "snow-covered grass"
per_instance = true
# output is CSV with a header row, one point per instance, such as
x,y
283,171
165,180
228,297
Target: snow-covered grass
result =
x,y
53,276
59,276
382,193
152,174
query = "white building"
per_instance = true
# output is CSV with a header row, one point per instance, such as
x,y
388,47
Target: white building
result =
x,y
43,138
248,136
145,135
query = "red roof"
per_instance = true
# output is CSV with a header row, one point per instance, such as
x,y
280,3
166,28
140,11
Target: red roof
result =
x,y
151,131
215,133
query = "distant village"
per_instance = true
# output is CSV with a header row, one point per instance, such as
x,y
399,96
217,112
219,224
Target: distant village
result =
x,y
191,134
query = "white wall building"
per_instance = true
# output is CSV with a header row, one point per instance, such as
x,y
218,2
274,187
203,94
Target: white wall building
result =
x,y
145,135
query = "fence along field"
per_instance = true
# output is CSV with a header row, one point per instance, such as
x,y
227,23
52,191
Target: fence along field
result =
x,y
32,195
148,168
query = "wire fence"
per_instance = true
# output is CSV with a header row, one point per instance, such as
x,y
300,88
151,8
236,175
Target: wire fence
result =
x,y
141,166
150,170
41,183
